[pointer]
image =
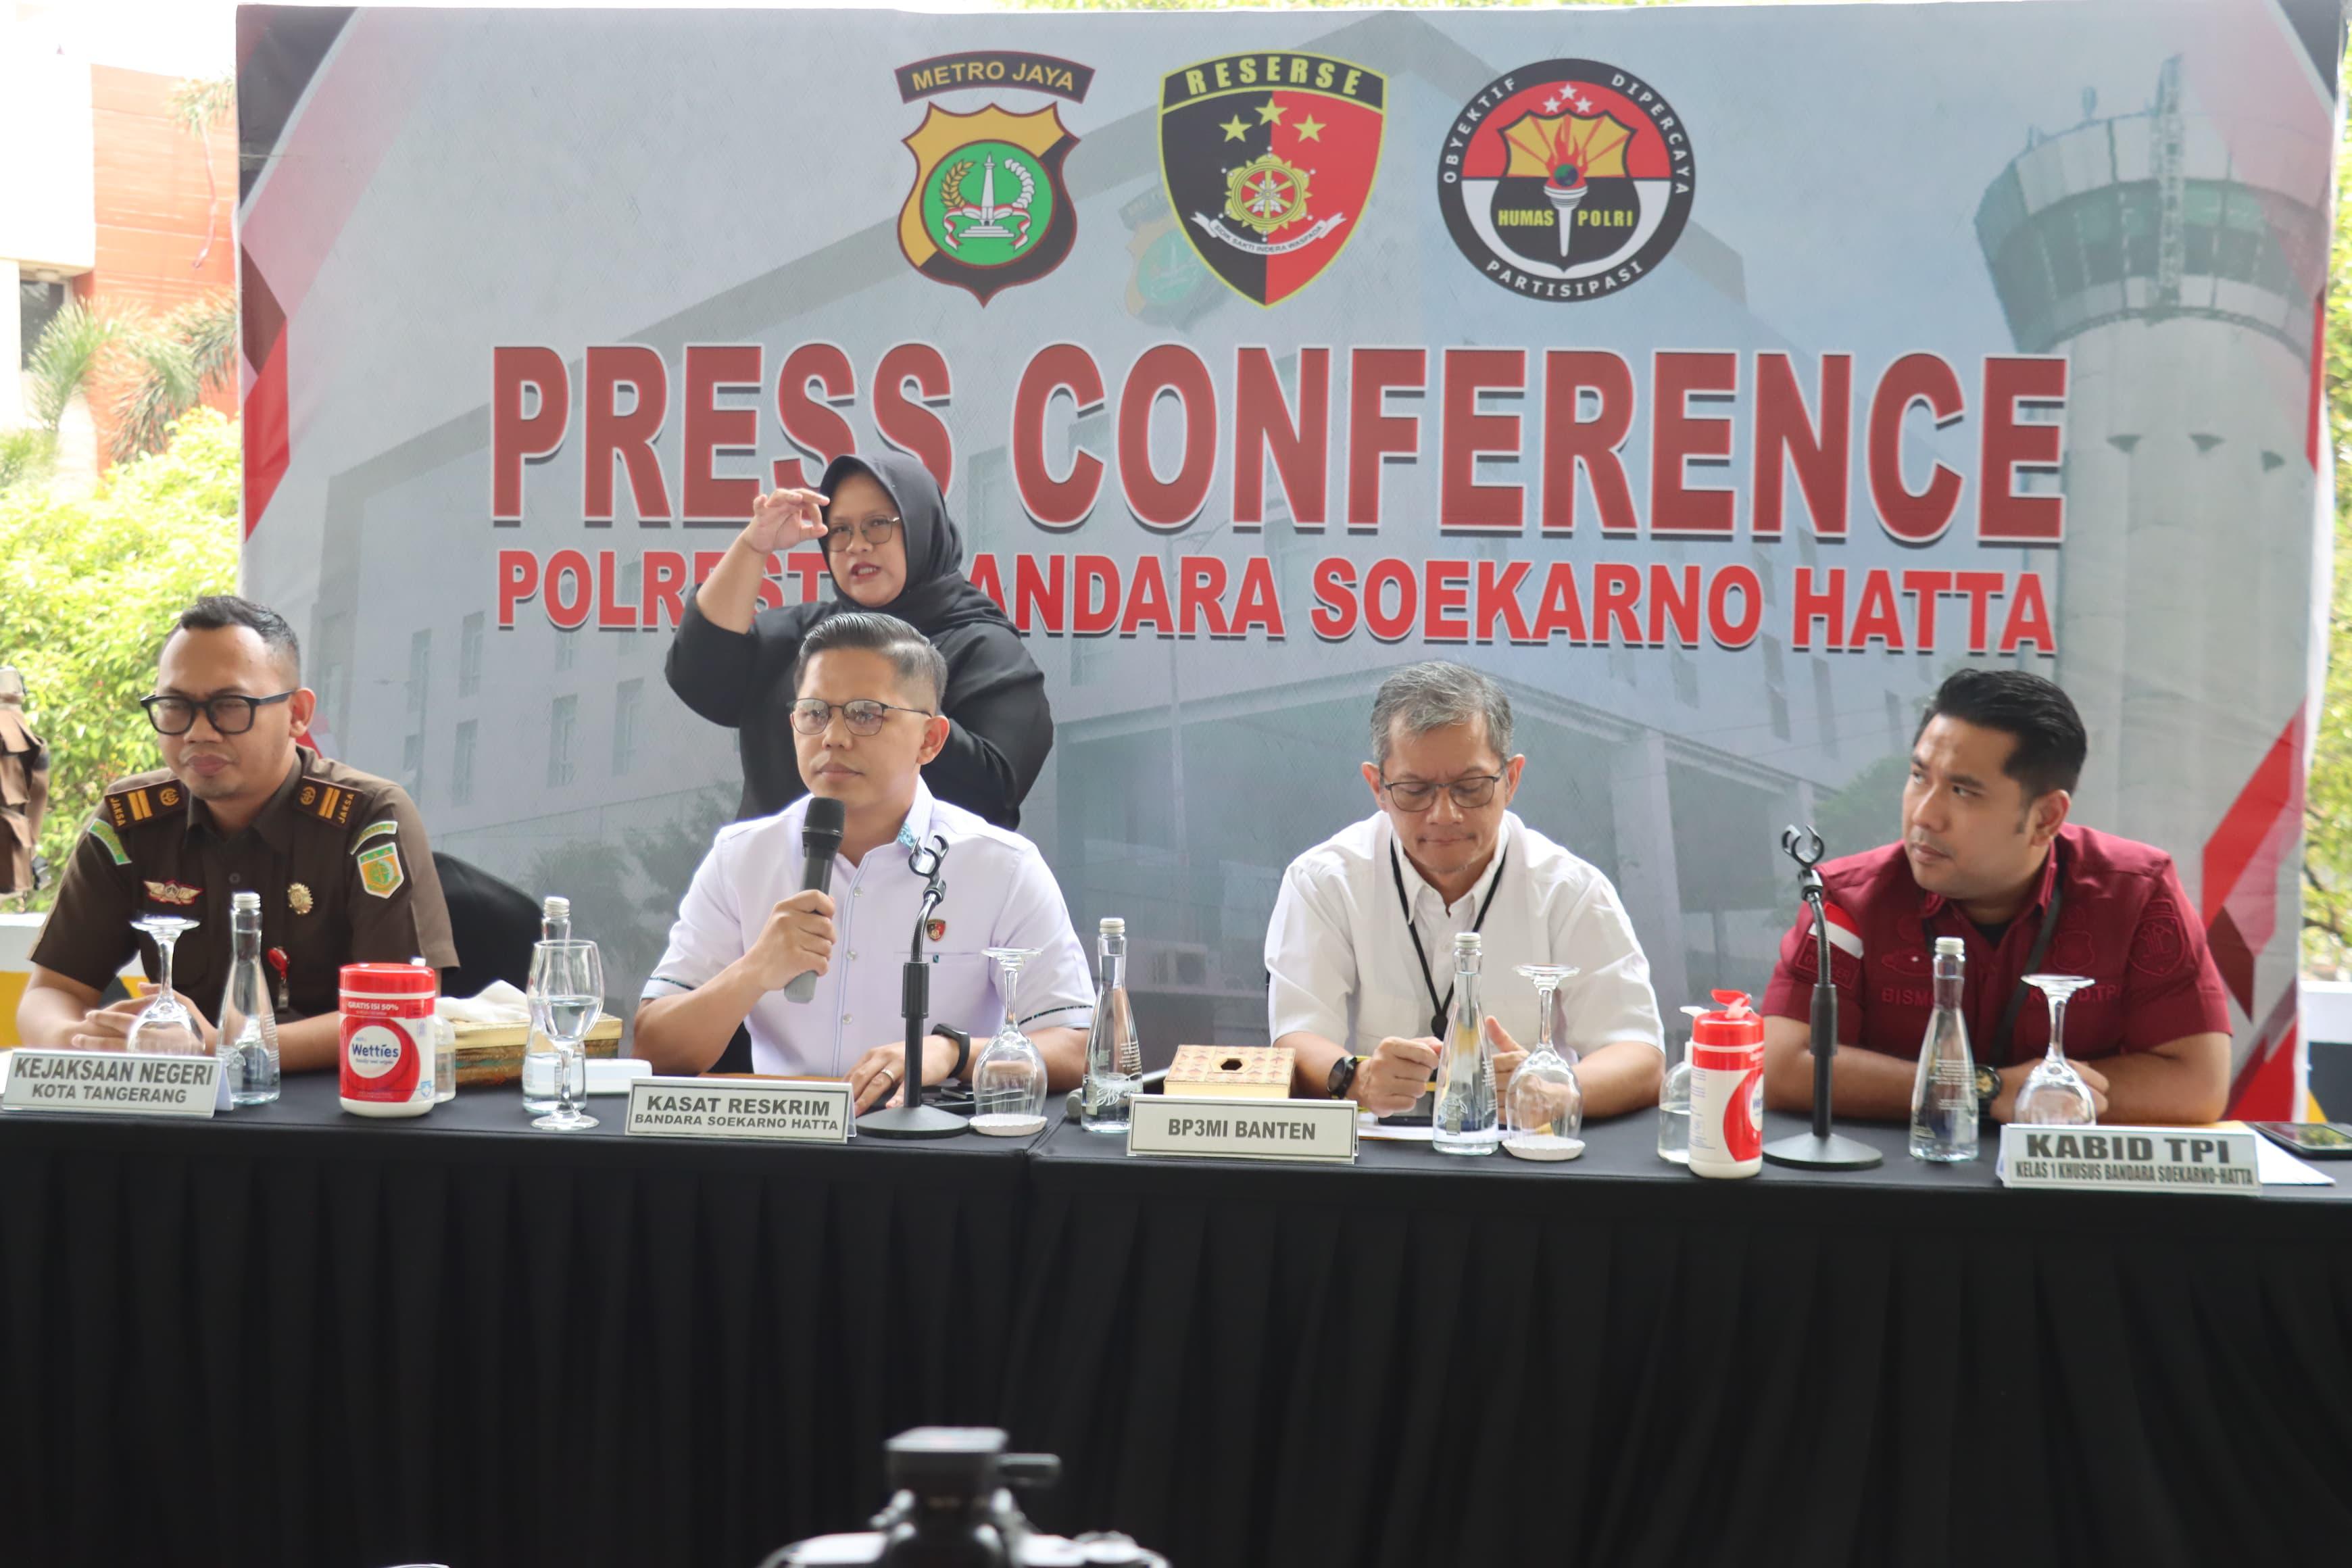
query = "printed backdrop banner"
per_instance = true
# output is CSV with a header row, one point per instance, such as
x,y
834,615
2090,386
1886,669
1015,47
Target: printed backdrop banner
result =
x,y
1719,380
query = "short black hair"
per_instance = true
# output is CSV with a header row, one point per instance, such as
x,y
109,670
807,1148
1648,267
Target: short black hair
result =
x,y
217,611
2050,741
922,671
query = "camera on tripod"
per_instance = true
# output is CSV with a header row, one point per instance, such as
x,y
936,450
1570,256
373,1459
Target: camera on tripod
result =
x,y
951,1505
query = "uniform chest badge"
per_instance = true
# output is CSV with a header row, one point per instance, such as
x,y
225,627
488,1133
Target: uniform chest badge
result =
x,y
936,929
174,893
298,897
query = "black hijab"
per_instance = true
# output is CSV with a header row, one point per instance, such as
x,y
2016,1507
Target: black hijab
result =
x,y
936,597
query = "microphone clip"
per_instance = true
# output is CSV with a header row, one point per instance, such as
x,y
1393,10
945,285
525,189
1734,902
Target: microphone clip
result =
x,y
1804,845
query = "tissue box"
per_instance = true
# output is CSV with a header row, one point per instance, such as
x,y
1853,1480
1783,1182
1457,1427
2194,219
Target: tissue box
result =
x,y
492,1053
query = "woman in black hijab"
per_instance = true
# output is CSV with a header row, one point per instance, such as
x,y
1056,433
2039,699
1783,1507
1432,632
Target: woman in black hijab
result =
x,y
891,547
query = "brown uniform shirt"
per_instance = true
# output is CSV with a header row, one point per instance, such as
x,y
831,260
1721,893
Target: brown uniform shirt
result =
x,y
21,756
338,856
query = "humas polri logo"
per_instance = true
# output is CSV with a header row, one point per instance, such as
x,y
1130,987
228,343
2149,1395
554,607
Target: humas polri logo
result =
x,y
1567,180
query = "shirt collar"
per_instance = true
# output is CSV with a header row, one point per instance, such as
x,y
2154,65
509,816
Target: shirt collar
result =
x,y
911,831
1933,904
917,826
1414,883
275,821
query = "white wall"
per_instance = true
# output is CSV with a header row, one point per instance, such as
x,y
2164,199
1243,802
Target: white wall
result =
x,y
46,183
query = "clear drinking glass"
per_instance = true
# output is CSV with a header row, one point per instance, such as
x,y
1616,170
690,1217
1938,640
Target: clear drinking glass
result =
x,y
565,1003
1543,1114
163,1025
1008,1080
2054,1094
1675,1103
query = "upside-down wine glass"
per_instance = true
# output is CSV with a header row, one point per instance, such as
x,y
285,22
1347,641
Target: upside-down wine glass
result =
x,y
2054,1094
1008,1080
164,1026
1543,1114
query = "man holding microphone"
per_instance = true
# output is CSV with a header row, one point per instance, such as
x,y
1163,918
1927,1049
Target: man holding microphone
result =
x,y
865,720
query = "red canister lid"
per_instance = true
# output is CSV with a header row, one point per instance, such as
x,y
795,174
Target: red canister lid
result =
x,y
390,980
1737,1024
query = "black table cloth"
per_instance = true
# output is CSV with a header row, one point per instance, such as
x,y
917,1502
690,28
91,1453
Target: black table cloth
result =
x,y
295,1337
1427,1359
298,1337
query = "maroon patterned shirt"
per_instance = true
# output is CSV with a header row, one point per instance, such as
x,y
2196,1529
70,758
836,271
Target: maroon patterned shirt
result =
x,y
2123,919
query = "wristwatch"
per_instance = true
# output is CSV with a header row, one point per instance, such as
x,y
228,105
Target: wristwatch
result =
x,y
1343,1078
1988,1088
962,1044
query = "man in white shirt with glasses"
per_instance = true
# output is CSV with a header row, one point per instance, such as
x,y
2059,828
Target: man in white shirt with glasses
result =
x,y
1360,952
865,722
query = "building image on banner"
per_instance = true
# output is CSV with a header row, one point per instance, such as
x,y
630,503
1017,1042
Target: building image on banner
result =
x,y
1250,382
2176,260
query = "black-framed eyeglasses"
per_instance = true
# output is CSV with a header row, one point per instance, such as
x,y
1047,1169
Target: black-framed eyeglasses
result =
x,y
229,715
1469,792
862,714
875,530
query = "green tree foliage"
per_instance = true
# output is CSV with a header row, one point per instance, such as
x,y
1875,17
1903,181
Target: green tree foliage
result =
x,y
66,358
87,586
167,367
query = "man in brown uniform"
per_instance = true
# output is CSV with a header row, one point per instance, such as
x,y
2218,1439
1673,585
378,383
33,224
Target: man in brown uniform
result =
x,y
24,788
339,857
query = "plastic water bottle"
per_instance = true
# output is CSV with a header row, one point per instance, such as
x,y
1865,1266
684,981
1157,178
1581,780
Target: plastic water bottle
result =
x,y
248,1029
539,1085
1467,1119
1944,1091
1114,1056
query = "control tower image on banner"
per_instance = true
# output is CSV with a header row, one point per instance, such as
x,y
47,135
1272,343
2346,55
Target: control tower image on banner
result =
x,y
2161,253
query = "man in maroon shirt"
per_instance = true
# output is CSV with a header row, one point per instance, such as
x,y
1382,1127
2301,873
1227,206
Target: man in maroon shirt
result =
x,y
1987,855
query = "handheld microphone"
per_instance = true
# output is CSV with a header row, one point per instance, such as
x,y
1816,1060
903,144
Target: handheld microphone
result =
x,y
821,841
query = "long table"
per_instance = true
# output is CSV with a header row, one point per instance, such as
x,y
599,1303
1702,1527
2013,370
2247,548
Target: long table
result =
x,y
295,1337
1425,1359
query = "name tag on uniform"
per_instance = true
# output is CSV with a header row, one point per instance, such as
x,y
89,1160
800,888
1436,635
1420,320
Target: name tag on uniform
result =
x,y
2130,1159
111,1083
728,1107
1176,1126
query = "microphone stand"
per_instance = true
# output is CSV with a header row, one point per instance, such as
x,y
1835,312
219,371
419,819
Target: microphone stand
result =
x,y
914,1119
1822,1149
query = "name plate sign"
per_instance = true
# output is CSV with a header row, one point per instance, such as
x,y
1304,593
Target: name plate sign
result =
x,y
2130,1159
702,1108
111,1083
1177,1126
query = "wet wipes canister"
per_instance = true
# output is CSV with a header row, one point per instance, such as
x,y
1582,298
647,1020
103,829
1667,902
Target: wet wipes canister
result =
x,y
387,1038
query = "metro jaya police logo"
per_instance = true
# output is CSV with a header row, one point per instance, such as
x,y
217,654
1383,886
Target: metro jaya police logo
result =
x,y
1269,159
989,209
1569,179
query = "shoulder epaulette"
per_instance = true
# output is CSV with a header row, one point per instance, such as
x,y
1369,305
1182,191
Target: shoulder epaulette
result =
x,y
328,802
128,804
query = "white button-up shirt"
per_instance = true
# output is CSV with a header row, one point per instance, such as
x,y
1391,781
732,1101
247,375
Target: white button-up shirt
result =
x,y
1340,954
999,894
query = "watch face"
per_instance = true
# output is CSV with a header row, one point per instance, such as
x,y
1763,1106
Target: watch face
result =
x,y
1988,1084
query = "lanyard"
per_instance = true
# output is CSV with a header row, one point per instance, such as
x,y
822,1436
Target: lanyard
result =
x,y
1999,1056
1404,907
